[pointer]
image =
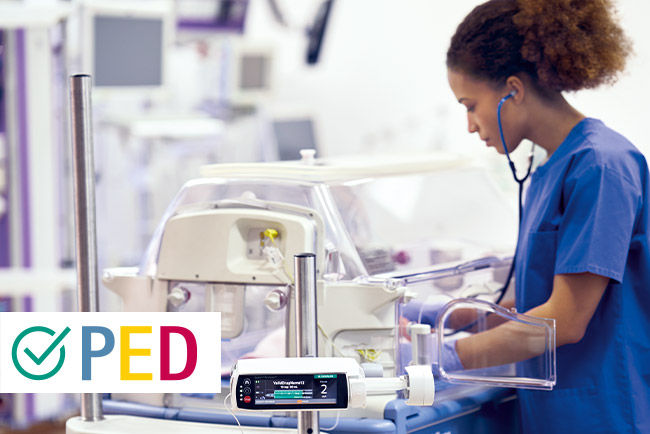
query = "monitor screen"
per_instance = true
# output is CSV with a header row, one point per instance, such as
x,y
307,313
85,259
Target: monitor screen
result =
x,y
292,135
128,51
292,391
296,389
254,72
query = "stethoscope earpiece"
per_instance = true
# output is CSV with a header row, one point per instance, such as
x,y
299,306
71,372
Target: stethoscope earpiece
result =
x,y
507,97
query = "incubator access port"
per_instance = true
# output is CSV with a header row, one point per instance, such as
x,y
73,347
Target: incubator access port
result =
x,y
257,238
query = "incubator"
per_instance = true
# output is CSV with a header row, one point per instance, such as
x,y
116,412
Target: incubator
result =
x,y
395,240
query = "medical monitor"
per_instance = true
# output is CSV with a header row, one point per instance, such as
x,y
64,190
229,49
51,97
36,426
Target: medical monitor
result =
x,y
293,134
249,81
126,44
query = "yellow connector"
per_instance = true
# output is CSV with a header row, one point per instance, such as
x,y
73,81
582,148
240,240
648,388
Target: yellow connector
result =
x,y
271,234
368,354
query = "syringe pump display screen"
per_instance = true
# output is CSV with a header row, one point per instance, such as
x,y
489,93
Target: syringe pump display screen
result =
x,y
292,391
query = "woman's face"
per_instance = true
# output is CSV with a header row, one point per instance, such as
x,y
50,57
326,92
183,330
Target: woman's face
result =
x,y
481,101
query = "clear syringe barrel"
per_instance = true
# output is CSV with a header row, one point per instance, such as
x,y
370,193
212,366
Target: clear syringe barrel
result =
x,y
383,386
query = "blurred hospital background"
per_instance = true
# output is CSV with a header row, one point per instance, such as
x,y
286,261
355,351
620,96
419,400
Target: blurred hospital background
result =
x,y
179,84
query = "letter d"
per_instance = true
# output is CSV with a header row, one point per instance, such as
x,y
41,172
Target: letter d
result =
x,y
87,353
190,363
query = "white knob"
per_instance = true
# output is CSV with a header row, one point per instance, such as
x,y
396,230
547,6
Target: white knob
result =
x,y
275,300
178,296
307,156
107,276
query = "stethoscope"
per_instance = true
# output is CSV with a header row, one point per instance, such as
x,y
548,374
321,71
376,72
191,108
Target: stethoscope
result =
x,y
518,180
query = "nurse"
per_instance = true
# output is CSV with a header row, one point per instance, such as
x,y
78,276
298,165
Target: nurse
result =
x,y
583,253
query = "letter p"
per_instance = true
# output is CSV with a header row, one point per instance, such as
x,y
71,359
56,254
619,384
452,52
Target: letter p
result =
x,y
86,348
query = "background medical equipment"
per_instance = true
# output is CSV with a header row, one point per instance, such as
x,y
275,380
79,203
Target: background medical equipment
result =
x,y
127,44
33,237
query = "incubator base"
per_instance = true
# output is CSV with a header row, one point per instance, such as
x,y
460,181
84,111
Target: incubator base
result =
x,y
114,424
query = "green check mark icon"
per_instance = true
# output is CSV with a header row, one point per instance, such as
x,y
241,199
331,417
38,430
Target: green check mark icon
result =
x,y
39,360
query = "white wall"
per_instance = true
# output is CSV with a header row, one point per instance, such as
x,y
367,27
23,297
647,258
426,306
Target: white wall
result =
x,y
381,84
624,105
381,80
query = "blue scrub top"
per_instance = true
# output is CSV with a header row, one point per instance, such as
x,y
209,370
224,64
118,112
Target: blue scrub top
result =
x,y
586,210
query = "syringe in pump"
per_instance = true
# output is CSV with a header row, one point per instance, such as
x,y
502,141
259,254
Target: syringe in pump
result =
x,y
320,383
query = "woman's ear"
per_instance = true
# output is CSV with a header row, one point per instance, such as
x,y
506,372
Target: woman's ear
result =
x,y
516,88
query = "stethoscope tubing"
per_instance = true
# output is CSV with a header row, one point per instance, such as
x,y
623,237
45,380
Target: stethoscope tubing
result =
x,y
519,181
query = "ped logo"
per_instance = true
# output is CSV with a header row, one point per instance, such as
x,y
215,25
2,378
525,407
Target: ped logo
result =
x,y
110,352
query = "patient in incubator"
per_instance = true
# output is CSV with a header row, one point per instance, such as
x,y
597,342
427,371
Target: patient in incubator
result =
x,y
272,345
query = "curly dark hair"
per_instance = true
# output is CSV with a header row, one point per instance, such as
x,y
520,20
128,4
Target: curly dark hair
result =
x,y
564,45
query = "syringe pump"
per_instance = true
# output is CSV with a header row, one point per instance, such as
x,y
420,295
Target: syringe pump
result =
x,y
327,383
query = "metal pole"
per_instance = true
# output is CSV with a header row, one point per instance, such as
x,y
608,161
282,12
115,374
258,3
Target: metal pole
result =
x,y
84,206
306,326
308,422
16,219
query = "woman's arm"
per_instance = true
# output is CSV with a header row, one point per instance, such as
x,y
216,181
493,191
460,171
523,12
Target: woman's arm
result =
x,y
572,304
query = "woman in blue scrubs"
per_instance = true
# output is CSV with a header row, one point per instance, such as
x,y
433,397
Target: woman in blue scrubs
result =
x,y
583,253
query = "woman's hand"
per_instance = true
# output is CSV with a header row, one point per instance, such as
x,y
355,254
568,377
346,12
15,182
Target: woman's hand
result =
x,y
572,304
